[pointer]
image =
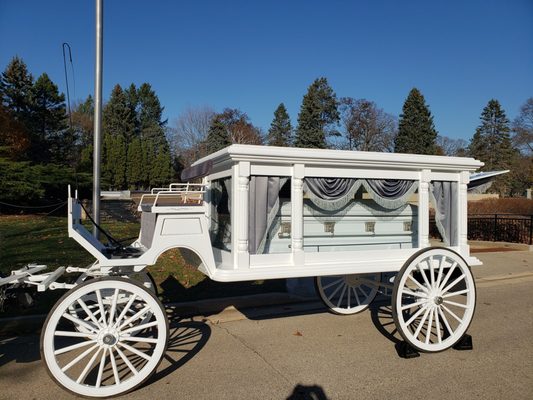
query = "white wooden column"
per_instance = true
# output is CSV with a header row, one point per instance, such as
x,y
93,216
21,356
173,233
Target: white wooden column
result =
x,y
423,209
241,211
297,217
462,213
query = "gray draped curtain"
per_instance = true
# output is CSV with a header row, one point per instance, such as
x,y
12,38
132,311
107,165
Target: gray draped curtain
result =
x,y
264,205
444,198
335,193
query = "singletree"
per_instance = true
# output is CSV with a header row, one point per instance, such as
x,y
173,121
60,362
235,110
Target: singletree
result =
x,y
280,132
318,113
416,133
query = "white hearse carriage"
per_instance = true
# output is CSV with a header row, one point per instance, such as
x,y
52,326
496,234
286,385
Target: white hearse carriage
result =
x,y
256,212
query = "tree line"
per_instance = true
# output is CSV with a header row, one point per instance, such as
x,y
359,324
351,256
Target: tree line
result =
x,y
43,148
325,121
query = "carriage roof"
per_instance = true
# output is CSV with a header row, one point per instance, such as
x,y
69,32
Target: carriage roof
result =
x,y
340,158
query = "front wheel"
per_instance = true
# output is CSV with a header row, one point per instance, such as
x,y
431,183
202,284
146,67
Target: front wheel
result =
x,y
433,300
109,351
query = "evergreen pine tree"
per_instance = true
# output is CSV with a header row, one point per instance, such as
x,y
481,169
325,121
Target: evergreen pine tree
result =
x,y
491,142
217,136
150,115
161,167
148,156
280,130
15,89
416,132
135,164
319,110
119,129
51,139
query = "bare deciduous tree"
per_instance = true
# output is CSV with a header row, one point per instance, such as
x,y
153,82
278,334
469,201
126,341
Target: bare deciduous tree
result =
x,y
188,133
523,127
451,147
367,127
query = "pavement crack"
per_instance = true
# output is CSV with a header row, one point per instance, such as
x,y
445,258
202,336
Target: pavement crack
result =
x,y
249,347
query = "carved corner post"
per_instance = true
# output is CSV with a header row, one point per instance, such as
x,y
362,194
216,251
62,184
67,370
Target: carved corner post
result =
x,y
242,212
462,212
297,217
423,208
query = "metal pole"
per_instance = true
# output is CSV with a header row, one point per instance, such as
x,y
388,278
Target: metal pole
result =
x,y
97,114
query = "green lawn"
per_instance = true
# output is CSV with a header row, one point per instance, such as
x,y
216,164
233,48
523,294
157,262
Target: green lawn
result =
x,y
28,239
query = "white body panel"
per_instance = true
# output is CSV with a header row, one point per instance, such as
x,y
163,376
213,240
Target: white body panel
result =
x,y
184,226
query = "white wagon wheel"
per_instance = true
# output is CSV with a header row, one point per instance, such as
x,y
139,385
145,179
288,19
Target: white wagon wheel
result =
x,y
116,351
142,277
348,294
434,299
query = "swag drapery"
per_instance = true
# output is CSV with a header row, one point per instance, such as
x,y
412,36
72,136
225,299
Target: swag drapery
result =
x,y
335,193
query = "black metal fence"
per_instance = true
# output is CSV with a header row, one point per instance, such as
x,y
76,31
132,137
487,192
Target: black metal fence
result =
x,y
496,228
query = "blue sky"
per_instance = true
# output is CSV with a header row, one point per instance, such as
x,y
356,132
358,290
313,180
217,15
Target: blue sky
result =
x,y
253,55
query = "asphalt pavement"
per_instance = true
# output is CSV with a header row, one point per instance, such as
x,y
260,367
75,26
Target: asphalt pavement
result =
x,y
301,351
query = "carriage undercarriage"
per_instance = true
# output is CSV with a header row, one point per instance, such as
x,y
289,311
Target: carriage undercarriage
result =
x,y
109,332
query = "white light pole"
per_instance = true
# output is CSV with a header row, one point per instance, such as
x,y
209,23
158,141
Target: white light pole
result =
x,y
97,150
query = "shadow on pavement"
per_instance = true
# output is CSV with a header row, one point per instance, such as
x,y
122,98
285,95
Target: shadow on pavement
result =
x,y
381,314
186,339
302,392
21,349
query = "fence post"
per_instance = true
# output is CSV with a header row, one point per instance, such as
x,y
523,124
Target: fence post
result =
x,y
495,228
531,229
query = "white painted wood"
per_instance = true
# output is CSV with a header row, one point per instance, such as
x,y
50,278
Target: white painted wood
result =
x,y
462,213
297,226
242,199
423,209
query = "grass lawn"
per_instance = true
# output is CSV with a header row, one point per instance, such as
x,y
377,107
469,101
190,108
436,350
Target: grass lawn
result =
x,y
39,239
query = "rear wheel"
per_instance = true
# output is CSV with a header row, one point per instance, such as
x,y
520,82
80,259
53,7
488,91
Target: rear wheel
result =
x,y
347,294
109,352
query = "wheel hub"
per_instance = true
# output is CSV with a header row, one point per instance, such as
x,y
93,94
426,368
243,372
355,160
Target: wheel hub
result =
x,y
438,300
109,339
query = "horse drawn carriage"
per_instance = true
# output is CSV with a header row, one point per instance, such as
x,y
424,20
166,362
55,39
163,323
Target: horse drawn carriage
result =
x,y
342,217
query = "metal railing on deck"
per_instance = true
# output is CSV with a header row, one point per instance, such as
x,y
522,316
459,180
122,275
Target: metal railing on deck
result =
x,y
513,228
175,194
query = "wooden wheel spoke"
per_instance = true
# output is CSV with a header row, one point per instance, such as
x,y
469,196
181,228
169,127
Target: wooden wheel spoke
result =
x,y
342,294
88,367
455,282
452,313
437,325
420,286
460,292
421,323
445,320
430,326
453,303
332,283
415,304
414,316
74,347
448,275
135,351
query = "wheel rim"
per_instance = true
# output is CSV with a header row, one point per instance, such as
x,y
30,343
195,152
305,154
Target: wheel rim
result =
x,y
434,300
116,350
348,294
